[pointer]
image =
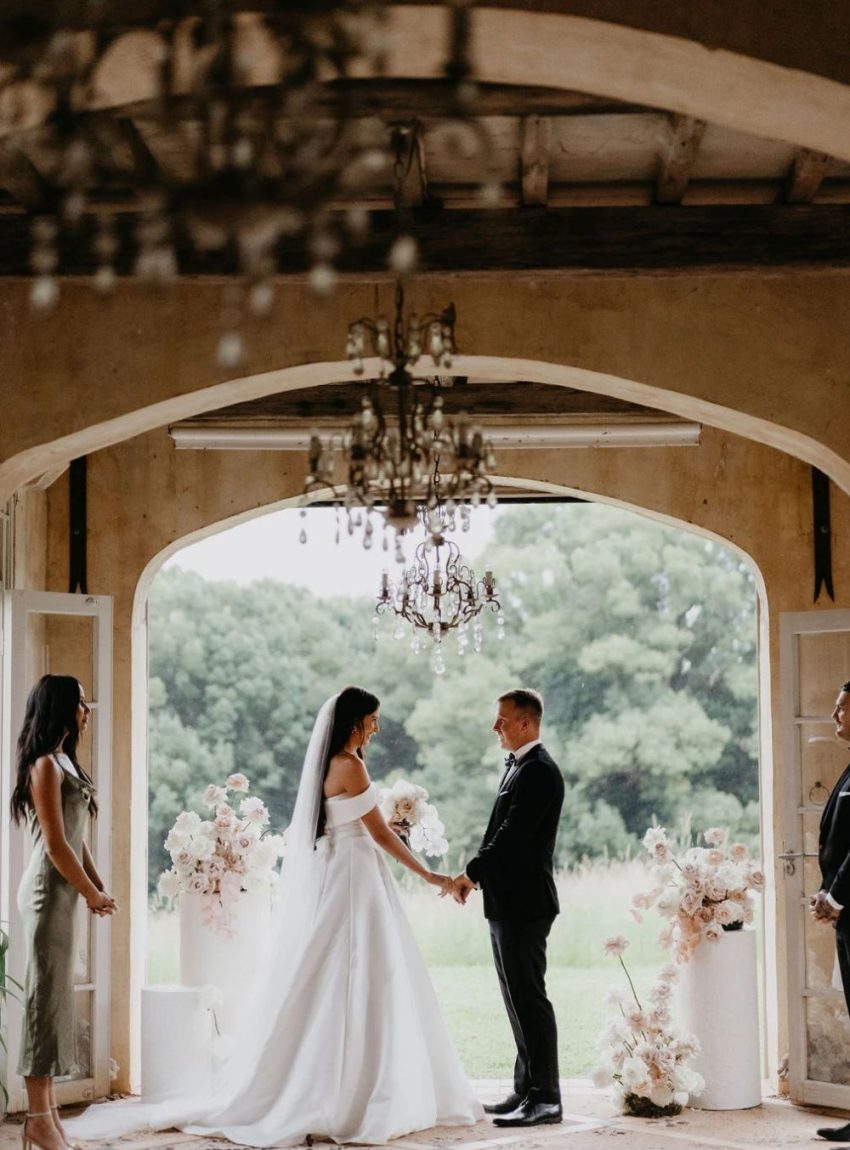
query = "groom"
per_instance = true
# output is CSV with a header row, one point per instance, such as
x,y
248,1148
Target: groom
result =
x,y
514,869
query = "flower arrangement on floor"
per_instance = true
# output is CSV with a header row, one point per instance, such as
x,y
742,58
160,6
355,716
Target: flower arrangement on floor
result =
x,y
223,855
642,1054
701,893
406,808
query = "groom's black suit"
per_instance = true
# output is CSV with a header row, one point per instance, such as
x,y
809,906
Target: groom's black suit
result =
x,y
514,868
834,859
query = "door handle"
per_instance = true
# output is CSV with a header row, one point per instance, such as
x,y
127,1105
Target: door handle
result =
x,y
788,858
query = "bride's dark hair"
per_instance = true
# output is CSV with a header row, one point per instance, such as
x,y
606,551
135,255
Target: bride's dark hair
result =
x,y
353,704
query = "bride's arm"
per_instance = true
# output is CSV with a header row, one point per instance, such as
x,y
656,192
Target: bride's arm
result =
x,y
356,780
386,838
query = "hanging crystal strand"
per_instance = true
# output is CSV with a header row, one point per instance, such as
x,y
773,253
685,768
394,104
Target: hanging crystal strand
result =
x,y
105,247
44,259
500,626
302,537
231,351
477,635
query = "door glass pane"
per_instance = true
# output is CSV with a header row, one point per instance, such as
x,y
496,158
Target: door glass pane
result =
x,y
83,1026
828,1029
823,665
82,947
822,759
70,645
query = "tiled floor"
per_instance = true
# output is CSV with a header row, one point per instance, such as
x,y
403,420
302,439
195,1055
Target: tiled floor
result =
x,y
590,1123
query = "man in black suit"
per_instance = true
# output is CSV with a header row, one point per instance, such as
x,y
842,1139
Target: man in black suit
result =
x,y
834,858
514,869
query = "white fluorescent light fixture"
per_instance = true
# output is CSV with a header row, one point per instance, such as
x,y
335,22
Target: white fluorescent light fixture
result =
x,y
506,437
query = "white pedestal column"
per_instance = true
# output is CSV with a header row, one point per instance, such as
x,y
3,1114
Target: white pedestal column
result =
x,y
177,1042
718,999
208,958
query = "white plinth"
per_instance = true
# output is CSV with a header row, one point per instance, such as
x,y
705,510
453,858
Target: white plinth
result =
x,y
718,998
177,1041
229,962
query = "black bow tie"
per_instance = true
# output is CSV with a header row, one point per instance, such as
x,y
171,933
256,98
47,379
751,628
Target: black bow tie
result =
x,y
510,760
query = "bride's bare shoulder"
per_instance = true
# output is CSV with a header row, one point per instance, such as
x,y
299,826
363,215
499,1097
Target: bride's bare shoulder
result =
x,y
347,774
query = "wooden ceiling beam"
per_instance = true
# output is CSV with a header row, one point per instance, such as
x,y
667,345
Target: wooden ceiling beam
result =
x,y
677,159
498,241
535,151
20,177
805,176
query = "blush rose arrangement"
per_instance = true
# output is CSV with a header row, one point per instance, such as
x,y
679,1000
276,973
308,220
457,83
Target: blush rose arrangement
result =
x,y
642,1054
702,892
224,854
406,808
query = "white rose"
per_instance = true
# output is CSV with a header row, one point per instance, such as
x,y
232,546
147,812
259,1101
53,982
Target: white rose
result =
x,y
199,884
213,796
237,782
715,836
254,810
201,847
635,1076
184,860
169,884
187,822
175,840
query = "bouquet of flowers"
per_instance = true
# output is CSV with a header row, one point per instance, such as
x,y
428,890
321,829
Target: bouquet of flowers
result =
x,y
701,893
642,1054
224,854
405,807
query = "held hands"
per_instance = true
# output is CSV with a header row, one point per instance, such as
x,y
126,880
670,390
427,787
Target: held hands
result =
x,y
821,909
101,903
458,887
462,884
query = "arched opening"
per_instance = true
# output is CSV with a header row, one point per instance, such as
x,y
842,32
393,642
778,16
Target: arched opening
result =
x,y
765,783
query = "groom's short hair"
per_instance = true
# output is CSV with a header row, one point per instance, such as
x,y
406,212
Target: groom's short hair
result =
x,y
524,699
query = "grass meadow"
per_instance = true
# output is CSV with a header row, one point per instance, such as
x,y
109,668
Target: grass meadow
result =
x,y
456,945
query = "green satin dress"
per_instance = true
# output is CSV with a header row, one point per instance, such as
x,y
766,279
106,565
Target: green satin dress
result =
x,y
48,906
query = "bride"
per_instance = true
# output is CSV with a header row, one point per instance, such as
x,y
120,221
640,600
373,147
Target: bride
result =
x,y
344,1038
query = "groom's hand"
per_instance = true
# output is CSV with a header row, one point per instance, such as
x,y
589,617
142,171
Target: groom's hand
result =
x,y
463,884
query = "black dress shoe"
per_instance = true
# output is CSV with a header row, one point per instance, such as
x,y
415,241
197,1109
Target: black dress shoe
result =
x,y
507,1107
531,1113
835,1133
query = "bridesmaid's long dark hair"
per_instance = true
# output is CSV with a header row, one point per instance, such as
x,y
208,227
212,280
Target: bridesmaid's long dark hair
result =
x,y
50,717
352,706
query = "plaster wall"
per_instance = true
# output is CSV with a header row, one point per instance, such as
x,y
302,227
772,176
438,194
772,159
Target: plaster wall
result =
x,y
145,498
761,355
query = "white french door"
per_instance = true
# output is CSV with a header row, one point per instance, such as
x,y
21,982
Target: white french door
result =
x,y
815,661
49,633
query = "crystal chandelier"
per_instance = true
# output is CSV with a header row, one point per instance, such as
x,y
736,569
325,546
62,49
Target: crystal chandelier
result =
x,y
162,137
400,451
436,594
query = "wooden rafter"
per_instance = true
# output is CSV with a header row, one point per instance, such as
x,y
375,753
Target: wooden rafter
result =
x,y
534,160
806,175
20,177
677,159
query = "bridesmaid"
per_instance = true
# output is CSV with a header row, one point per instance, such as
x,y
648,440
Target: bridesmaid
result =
x,y
56,796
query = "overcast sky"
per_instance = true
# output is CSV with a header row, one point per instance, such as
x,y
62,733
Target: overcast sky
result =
x,y
267,548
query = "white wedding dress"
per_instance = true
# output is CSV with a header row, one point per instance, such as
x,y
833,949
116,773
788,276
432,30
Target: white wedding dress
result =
x,y
357,1049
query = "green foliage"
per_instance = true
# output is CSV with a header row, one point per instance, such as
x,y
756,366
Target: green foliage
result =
x,y
8,987
640,637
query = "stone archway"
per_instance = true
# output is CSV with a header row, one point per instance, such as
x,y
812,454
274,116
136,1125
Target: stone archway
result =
x,y
543,489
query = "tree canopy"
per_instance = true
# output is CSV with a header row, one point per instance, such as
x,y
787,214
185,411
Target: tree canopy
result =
x,y
640,637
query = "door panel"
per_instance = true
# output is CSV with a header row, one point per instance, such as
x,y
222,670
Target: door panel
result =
x,y
815,660
47,633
